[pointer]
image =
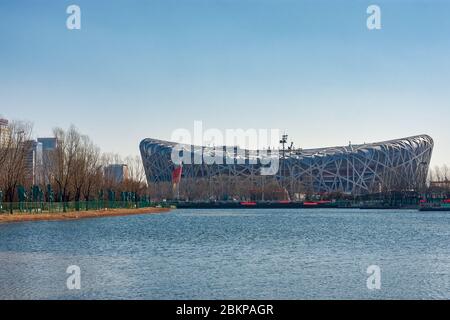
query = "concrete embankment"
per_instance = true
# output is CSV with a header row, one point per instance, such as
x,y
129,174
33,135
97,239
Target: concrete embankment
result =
x,y
22,217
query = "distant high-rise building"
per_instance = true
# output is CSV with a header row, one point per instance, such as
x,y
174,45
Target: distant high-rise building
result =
x,y
4,133
117,172
48,143
33,162
49,146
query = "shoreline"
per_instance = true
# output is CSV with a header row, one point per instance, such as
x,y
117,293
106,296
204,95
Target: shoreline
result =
x,y
75,215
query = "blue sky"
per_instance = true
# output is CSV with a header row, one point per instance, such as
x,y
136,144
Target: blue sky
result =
x,y
141,69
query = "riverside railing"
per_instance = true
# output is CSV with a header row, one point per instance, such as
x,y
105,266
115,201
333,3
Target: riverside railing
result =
x,y
55,207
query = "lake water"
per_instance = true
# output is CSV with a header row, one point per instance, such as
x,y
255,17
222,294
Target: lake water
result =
x,y
231,254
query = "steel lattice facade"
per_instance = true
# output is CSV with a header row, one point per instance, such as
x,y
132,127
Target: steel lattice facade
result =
x,y
400,164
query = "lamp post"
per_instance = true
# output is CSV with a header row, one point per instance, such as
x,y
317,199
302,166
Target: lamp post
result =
x,y
283,141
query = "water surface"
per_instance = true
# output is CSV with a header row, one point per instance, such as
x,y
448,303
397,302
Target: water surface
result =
x,y
231,254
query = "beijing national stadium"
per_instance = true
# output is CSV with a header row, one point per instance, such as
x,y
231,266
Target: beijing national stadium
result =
x,y
399,165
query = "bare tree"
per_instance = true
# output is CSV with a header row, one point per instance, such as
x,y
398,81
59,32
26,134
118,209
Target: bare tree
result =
x,y
136,171
438,174
80,168
13,167
93,171
445,173
65,159
136,182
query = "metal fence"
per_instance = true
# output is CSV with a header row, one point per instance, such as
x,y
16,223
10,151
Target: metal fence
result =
x,y
50,207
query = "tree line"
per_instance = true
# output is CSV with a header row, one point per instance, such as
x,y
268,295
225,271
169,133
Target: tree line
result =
x,y
439,179
73,171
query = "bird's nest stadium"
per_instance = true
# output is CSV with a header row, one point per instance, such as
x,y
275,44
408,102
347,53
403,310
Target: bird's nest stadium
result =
x,y
394,165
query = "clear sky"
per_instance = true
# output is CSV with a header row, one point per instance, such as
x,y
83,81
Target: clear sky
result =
x,y
141,69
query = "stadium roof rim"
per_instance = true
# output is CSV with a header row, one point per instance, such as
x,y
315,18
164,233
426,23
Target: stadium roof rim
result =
x,y
315,150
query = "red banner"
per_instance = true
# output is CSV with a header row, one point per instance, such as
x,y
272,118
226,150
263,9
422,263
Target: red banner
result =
x,y
176,174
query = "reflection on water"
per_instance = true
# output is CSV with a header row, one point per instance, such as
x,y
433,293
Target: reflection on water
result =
x,y
245,253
